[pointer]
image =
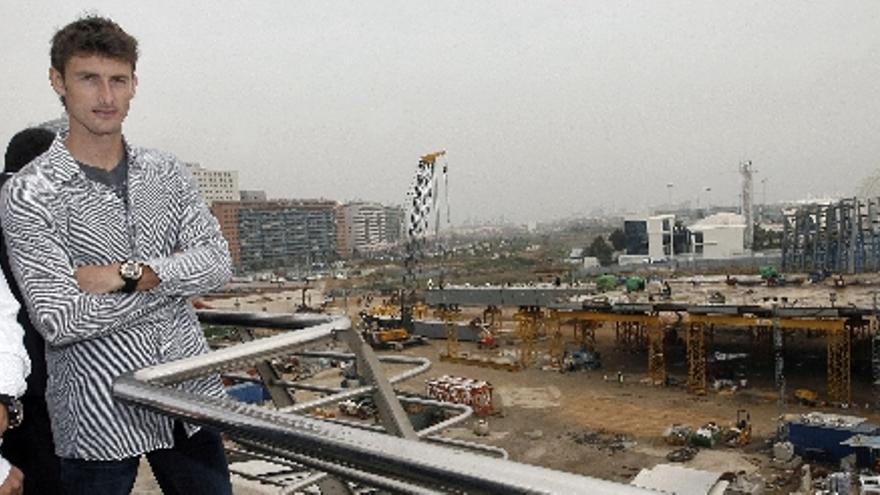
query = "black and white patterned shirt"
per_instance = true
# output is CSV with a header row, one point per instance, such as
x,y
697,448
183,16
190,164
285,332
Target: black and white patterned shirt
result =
x,y
57,220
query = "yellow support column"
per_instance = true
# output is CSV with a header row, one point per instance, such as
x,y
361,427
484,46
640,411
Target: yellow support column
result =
x,y
420,311
696,353
585,333
839,366
449,314
527,321
557,341
492,317
656,355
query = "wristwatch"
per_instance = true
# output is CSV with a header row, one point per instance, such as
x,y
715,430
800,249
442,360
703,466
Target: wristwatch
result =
x,y
14,408
131,272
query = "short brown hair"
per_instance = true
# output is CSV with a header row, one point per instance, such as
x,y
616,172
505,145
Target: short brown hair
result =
x,y
92,35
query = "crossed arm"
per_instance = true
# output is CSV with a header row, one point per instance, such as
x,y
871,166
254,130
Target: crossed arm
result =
x,y
69,303
105,279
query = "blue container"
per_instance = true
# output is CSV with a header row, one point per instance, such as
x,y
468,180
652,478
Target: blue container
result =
x,y
822,442
249,393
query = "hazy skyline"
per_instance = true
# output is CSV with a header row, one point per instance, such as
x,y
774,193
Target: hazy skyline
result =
x,y
546,109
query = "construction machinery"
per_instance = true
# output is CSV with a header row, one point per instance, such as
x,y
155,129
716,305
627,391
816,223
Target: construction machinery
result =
x,y
386,331
806,397
422,202
741,433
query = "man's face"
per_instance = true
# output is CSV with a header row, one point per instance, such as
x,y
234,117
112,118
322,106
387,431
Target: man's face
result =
x,y
97,92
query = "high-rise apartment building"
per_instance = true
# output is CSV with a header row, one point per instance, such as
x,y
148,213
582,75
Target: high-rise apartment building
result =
x,y
394,223
226,213
215,185
279,233
342,240
369,227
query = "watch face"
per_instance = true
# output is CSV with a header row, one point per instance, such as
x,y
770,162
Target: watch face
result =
x,y
131,270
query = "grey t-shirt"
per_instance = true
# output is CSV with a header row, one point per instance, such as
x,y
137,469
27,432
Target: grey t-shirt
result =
x,y
116,179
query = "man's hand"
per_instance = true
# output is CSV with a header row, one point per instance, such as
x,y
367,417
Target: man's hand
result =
x,y
148,280
14,482
99,279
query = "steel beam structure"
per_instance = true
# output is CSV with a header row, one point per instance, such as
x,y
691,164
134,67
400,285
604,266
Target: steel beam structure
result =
x,y
398,465
502,296
841,237
391,413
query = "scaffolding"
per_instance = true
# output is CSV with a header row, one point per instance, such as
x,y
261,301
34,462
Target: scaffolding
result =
x,y
528,322
841,237
630,335
839,357
656,353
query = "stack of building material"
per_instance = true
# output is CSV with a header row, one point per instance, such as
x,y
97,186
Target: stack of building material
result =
x,y
459,390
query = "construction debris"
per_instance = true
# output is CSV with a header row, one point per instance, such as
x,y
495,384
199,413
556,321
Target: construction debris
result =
x,y
678,434
683,454
783,451
603,440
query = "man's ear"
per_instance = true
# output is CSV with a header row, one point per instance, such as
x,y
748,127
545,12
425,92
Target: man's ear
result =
x,y
57,80
134,85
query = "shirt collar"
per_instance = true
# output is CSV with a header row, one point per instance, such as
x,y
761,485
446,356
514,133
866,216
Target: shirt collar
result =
x,y
64,166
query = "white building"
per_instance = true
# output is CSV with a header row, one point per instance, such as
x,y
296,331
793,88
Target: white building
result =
x,y
215,185
369,226
660,237
719,236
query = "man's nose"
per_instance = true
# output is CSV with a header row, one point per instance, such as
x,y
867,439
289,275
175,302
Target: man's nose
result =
x,y
105,93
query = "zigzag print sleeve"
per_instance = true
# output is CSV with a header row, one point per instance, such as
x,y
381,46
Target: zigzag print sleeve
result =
x,y
60,311
202,262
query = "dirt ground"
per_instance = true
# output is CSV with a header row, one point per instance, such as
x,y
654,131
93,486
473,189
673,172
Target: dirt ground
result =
x,y
589,423
582,422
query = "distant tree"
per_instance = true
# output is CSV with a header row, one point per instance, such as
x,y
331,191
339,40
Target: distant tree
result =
x,y
618,240
600,249
767,239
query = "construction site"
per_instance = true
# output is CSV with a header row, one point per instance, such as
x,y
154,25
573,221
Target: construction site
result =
x,y
654,378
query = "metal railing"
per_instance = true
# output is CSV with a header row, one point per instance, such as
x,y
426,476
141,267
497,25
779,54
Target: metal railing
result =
x,y
347,451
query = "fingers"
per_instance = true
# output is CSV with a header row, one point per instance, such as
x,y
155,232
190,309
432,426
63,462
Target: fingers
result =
x,y
14,483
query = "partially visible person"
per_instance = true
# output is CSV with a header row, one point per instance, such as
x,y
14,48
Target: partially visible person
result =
x,y
14,368
29,446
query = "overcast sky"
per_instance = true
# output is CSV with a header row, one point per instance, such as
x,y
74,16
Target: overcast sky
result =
x,y
547,109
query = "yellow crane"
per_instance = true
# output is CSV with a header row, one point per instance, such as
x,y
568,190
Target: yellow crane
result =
x,y
432,157
422,198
